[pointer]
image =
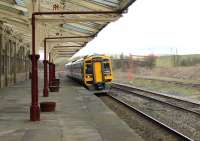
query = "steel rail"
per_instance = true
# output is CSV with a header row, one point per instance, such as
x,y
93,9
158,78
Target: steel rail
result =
x,y
154,93
175,132
131,90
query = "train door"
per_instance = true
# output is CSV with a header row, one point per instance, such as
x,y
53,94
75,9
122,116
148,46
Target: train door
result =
x,y
98,76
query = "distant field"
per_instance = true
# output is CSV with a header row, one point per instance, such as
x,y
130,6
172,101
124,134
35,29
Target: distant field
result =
x,y
171,70
173,60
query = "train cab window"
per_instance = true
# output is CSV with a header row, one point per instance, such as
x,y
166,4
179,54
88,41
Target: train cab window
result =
x,y
106,67
88,69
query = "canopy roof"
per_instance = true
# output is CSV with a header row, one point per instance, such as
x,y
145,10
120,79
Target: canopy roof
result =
x,y
84,20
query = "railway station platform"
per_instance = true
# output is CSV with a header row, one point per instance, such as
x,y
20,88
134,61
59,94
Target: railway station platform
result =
x,y
79,116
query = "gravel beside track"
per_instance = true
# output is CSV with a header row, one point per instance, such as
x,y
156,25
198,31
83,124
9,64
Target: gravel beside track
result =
x,y
168,99
185,122
147,128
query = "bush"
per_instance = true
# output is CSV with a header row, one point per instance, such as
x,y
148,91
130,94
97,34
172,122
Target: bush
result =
x,y
150,61
189,61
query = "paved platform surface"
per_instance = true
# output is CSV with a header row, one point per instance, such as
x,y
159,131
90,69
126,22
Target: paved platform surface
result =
x,y
79,116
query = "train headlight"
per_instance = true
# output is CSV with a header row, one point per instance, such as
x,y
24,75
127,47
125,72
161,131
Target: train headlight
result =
x,y
107,74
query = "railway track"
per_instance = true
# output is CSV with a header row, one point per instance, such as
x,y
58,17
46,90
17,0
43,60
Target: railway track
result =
x,y
180,104
170,130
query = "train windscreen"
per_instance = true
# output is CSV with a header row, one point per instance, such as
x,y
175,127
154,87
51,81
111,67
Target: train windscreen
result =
x,y
88,69
106,67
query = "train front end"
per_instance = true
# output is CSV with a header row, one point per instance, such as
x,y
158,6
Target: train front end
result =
x,y
98,73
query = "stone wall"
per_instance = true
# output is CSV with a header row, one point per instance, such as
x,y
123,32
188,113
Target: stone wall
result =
x,y
14,61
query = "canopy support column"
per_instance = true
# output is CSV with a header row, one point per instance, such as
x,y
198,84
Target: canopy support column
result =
x,y
45,90
34,109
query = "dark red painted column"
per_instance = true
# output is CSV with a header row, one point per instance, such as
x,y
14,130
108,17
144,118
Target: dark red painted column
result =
x,y
34,108
45,90
49,73
50,70
53,71
49,67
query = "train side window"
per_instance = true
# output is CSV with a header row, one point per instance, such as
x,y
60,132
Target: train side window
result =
x,y
88,69
106,67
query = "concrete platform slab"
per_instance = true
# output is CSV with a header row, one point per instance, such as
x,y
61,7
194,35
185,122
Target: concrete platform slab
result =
x,y
79,116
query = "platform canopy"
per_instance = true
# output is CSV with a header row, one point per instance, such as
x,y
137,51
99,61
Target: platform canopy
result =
x,y
82,23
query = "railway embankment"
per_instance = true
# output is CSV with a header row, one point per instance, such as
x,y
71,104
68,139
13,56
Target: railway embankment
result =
x,y
177,81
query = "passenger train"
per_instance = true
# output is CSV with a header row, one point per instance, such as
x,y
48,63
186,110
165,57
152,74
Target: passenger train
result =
x,y
94,71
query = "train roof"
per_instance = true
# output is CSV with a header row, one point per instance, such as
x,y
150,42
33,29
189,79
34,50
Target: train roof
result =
x,y
87,57
97,55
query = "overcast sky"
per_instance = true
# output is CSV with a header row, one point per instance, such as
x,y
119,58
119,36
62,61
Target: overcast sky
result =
x,y
152,26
